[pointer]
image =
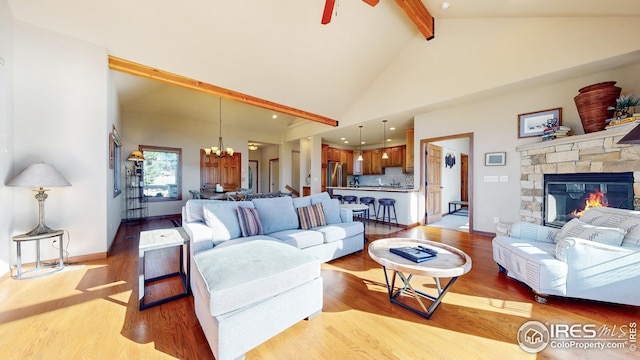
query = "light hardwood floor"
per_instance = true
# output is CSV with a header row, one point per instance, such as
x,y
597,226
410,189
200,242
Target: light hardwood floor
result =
x,y
91,312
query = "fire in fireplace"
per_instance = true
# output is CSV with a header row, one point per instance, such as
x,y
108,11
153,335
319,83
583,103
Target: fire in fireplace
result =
x,y
567,196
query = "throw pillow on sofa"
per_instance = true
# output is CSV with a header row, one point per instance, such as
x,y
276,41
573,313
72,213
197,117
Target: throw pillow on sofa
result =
x,y
579,229
311,216
222,218
249,221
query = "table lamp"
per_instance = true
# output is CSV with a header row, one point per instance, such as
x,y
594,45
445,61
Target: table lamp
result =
x,y
40,176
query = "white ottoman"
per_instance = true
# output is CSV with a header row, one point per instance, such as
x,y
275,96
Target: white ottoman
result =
x,y
245,294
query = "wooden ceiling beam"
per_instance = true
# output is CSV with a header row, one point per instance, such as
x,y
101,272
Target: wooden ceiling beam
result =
x,y
132,68
418,13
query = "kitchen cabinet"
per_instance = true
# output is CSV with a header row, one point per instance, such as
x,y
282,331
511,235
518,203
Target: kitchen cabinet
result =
x,y
376,162
357,165
409,152
349,156
325,153
334,154
396,157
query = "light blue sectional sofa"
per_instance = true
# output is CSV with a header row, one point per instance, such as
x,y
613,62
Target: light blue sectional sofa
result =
x,y
255,265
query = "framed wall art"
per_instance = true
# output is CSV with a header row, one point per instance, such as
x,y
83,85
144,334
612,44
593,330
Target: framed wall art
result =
x,y
534,123
495,159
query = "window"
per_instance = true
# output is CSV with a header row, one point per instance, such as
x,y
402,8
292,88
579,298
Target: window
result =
x,y
162,173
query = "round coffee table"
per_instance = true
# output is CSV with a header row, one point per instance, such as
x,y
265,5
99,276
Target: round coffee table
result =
x,y
449,263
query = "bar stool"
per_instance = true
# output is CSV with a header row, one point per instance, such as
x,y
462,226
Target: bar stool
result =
x,y
349,199
369,201
385,205
339,197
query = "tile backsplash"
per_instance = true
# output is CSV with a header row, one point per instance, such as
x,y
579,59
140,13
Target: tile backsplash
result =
x,y
392,175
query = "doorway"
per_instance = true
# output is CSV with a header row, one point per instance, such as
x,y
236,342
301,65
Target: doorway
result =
x,y
253,177
274,175
447,184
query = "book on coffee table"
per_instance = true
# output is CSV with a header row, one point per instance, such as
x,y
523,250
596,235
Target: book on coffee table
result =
x,y
415,253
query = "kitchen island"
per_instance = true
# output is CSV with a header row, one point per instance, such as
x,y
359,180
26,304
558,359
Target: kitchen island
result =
x,y
406,200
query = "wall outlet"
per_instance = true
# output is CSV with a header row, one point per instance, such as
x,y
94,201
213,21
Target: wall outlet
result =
x,y
496,220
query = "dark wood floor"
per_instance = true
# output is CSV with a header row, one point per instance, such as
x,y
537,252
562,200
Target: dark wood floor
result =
x,y
91,312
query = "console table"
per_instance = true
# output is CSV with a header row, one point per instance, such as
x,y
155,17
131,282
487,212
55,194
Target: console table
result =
x,y
25,237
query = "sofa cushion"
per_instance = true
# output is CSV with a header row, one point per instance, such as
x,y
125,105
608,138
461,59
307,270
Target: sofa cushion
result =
x,y
299,238
194,211
331,208
301,202
249,220
628,220
335,232
241,275
311,216
222,218
277,214
579,229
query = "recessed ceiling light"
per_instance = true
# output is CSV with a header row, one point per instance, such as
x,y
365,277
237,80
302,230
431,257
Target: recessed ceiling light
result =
x,y
445,5
388,139
346,141
275,116
363,142
343,139
392,128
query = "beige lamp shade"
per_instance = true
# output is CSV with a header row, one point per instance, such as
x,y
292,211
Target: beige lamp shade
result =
x,y
39,175
136,155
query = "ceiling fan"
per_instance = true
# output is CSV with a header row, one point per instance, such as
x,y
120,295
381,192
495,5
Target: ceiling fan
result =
x,y
414,9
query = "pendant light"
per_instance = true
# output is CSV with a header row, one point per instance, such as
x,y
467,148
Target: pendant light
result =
x,y
360,155
219,151
384,139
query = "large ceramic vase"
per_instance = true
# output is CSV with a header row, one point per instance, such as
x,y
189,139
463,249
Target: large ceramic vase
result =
x,y
592,104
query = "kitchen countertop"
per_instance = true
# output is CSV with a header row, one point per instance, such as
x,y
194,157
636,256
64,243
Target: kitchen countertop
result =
x,y
374,188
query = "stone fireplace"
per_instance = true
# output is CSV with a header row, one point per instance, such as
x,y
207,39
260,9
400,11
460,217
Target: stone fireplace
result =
x,y
592,154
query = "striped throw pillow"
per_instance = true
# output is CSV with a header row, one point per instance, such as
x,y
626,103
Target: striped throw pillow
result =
x,y
311,216
249,222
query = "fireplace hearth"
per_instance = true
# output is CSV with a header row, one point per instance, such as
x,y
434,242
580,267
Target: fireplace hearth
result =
x,y
566,196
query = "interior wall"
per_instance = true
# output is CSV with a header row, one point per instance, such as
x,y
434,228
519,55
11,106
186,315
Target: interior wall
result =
x,y
114,203
6,136
139,128
496,118
61,92
487,54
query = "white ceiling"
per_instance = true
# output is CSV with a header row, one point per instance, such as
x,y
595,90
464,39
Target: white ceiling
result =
x,y
276,50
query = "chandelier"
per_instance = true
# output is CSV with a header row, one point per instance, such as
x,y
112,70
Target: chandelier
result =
x,y
219,151
253,146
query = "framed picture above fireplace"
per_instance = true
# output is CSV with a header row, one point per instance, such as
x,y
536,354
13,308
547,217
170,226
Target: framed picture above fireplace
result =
x,y
534,123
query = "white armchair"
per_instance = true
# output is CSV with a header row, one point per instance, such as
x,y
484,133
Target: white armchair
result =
x,y
596,259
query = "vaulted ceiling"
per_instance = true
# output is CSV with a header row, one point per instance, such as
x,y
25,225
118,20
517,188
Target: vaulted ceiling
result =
x,y
277,50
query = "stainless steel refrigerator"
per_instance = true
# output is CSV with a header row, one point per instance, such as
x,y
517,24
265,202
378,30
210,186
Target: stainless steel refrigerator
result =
x,y
336,174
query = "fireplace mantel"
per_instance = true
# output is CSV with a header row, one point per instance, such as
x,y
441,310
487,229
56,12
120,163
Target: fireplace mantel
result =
x,y
589,153
617,132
